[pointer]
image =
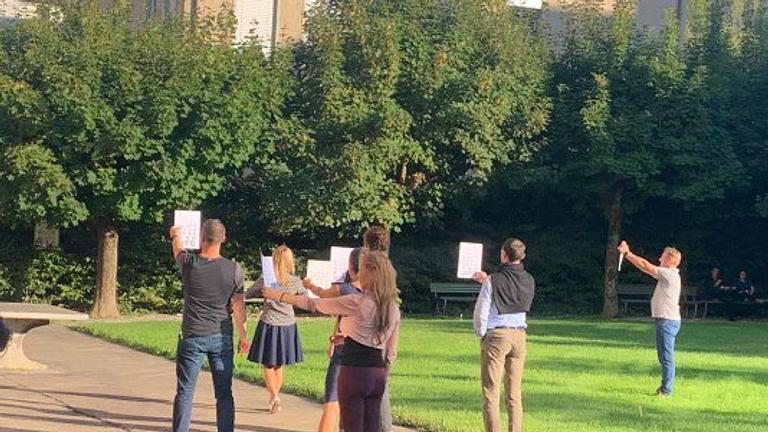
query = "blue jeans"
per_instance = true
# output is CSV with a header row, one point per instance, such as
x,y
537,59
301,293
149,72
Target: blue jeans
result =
x,y
189,361
666,331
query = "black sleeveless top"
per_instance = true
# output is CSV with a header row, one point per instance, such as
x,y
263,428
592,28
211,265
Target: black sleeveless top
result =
x,y
357,354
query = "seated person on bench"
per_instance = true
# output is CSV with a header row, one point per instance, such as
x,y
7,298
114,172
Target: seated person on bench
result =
x,y
743,289
713,286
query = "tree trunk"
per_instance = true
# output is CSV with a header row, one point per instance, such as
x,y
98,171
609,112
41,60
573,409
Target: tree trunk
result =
x,y
105,303
610,273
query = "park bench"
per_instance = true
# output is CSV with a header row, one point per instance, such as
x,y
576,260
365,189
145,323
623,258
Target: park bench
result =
x,y
634,294
453,291
642,293
19,318
695,301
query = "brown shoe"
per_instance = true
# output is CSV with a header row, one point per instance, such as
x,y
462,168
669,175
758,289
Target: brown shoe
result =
x,y
275,406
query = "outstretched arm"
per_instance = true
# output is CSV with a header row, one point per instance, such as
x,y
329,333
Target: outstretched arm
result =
x,y
178,246
641,263
345,305
333,291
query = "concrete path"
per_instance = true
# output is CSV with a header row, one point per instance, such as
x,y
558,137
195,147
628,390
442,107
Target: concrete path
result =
x,y
97,386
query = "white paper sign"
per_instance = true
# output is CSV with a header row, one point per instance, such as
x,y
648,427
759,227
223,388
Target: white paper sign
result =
x,y
470,259
189,221
268,271
532,4
321,274
340,262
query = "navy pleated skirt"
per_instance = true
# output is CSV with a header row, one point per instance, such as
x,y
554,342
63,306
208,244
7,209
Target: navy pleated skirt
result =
x,y
276,345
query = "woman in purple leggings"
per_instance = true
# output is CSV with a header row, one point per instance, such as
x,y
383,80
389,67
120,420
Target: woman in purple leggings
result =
x,y
371,324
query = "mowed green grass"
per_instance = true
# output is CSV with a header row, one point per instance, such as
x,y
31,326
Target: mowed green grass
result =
x,y
580,375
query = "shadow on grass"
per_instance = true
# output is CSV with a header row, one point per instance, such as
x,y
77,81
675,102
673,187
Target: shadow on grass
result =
x,y
82,416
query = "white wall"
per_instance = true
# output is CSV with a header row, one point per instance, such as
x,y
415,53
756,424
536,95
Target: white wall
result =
x,y
16,9
257,16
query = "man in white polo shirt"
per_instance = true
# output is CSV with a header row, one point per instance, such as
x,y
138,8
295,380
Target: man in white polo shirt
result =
x,y
665,308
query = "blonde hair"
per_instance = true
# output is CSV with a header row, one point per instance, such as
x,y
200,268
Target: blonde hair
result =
x,y
382,280
674,254
282,260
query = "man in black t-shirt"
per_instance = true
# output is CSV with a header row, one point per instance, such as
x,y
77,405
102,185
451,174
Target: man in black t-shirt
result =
x,y
213,291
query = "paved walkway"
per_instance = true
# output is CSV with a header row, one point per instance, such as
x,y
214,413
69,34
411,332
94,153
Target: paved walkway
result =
x,y
96,386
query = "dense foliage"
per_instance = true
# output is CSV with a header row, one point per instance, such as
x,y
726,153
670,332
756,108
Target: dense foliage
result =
x,y
445,120
105,123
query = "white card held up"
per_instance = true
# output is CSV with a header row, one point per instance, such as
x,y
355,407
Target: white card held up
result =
x,y
189,221
268,271
621,260
531,4
321,274
340,262
470,259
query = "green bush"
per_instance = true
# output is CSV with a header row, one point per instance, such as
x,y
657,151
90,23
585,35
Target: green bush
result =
x,y
566,283
59,279
7,290
417,266
158,293
148,278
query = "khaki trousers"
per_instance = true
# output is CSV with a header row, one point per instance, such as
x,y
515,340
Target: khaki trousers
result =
x,y
502,352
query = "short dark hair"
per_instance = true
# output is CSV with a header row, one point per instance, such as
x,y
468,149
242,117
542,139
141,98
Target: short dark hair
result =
x,y
354,262
213,231
514,248
376,238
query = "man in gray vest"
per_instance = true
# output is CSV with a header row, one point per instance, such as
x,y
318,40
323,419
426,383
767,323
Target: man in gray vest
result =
x,y
665,308
500,321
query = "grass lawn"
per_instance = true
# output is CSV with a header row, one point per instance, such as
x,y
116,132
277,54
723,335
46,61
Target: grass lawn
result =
x,y
586,375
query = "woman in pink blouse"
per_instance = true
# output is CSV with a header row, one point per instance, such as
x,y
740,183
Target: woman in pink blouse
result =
x,y
370,322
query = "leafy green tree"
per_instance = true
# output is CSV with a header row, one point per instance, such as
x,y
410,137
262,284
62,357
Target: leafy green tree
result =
x,y
633,121
748,100
104,121
399,105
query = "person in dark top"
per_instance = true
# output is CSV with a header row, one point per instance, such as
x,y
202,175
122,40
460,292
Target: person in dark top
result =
x,y
713,285
500,321
743,287
213,291
740,290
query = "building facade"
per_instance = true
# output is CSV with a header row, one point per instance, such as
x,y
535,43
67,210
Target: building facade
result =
x,y
650,13
14,9
273,22
276,22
